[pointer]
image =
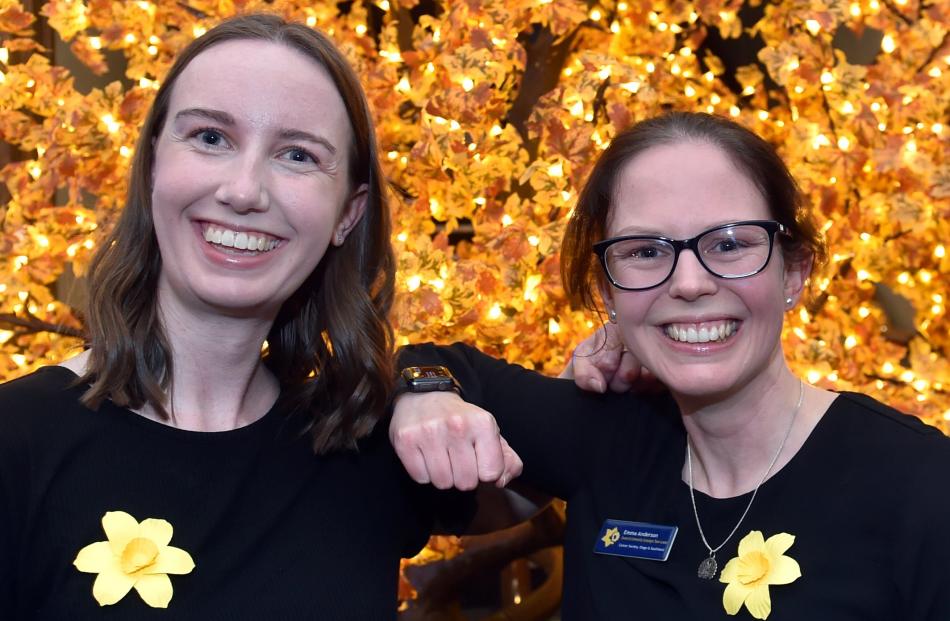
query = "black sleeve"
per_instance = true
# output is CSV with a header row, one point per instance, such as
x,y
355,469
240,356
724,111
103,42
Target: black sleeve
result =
x,y
14,482
553,425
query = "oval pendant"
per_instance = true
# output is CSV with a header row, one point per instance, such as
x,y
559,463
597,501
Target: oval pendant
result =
x,y
707,569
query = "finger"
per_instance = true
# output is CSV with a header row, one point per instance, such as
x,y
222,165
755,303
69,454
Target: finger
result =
x,y
489,454
464,466
439,467
627,375
413,461
513,465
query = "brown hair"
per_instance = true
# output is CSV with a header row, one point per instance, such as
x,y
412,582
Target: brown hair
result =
x,y
752,155
331,343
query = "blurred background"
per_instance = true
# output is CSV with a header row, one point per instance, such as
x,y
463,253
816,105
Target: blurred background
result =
x,y
490,115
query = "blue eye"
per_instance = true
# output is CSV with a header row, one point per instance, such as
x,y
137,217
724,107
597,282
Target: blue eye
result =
x,y
299,156
209,137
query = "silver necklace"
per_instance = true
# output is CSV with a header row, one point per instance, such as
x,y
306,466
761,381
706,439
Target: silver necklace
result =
x,y
708,567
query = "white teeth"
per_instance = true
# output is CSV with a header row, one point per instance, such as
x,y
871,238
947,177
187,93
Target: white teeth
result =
x,y
239,240
703,334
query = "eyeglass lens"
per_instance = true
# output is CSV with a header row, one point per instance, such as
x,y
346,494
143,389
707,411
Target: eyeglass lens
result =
x,y
730,252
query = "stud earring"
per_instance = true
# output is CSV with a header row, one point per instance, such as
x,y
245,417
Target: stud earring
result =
x,y
339,239
612,314
788,301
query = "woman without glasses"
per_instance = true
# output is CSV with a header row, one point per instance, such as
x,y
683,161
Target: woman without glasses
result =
x,y
742,491
171,464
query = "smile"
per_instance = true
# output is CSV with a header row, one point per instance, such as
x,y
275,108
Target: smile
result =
x,y
693,333
239,240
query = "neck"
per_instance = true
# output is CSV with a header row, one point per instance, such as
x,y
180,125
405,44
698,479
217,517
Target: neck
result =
x,y
218,380
734,439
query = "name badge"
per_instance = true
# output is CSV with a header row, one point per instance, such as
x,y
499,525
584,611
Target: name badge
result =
x,y
652,542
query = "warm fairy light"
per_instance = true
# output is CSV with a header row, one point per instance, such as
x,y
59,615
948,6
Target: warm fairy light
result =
x,y
827,77
35,171
506,220
130,38
855,9
495,131
198,30
553,327
813,376
631,87
402,237
312,21
689,91
534,240
604,72
887,368
850,341
940,251
556,170
95,43
803,314
495,311
863,312
531,284
887,44
907,376
847,107
813,26
125,152
863,275
924,276
844,143
360,29
595,15
413,282
734,110
468,84
111,124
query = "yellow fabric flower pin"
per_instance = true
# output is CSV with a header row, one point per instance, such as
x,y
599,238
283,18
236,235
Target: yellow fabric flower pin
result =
x,y
135,555
759,564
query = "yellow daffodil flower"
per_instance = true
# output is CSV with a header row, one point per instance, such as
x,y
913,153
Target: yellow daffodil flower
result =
x,y
759,564
135,555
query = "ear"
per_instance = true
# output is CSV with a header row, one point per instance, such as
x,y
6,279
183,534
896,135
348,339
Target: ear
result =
x,y
353,210
797,271
606,295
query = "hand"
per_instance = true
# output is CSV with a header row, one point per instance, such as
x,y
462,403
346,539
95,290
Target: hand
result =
x,y
443,440
602,360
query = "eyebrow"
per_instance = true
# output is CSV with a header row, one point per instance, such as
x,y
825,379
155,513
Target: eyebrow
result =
x,y
226,119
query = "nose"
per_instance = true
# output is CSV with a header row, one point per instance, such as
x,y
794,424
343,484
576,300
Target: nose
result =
x,y
243,187
690,280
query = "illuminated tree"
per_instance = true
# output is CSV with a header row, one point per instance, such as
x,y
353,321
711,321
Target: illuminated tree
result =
x,y
490,114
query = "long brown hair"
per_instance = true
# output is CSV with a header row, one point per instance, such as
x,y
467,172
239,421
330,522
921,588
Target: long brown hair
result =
x,y
331,343
753,156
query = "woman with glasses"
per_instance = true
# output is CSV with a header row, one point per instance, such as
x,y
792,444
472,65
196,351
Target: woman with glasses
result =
x,y
740,491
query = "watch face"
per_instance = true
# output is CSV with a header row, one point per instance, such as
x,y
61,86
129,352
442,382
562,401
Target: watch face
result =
x,y
427,379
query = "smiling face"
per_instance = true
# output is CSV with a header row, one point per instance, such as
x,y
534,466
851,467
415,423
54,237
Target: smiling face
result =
x,y
251,180
703,336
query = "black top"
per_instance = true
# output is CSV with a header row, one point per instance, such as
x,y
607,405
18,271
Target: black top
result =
x,y
865,497
275,531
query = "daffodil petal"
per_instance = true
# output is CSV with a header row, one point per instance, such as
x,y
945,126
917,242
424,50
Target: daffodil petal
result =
x,y
784,570
734,596
778,544
159,531
172,560
752,542
730,573
759,603
156,590
111,586
95,558
121,528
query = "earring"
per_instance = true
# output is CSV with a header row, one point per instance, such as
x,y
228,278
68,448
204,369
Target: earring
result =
x,y
339,239
788,301
612,314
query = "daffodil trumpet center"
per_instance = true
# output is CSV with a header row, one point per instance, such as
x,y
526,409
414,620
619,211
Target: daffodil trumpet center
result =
x,y
138,554
248,241
753,567
714,331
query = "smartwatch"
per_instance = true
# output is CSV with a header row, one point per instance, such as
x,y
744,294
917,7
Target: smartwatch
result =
x,y
426,379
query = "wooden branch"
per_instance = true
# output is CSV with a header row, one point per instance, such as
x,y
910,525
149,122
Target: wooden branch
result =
x,y
32,325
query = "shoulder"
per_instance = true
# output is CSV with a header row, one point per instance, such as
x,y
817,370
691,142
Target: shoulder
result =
x,y
890,446
30,392
876,418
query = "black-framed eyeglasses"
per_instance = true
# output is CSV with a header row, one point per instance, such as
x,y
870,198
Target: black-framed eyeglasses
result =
x,y
735,250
